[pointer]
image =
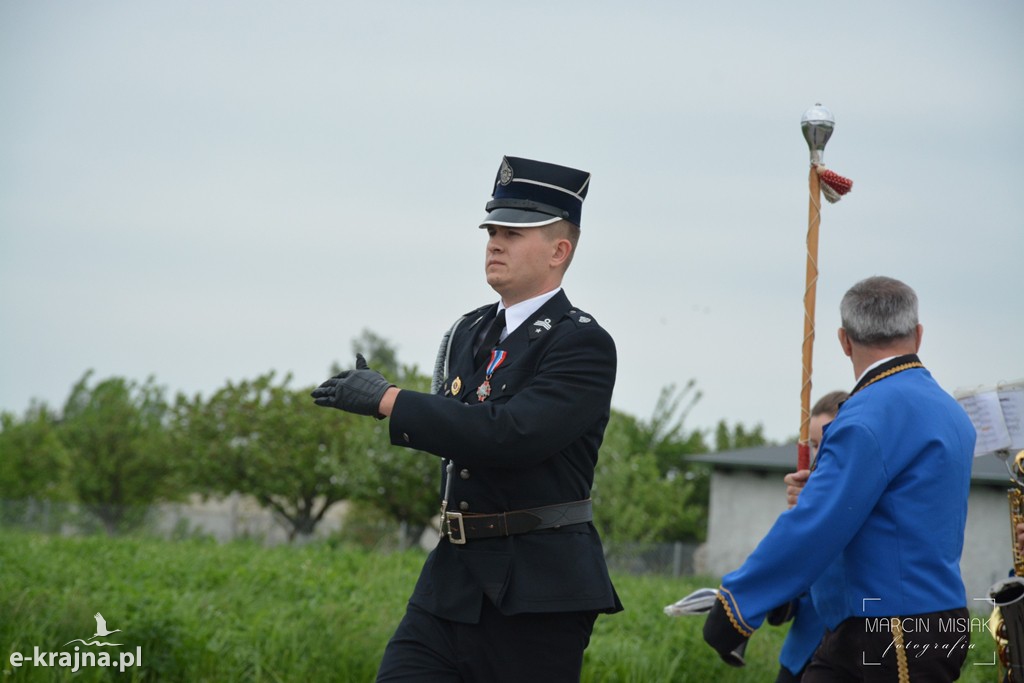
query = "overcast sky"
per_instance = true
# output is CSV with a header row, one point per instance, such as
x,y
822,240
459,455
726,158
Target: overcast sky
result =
x,y
205,191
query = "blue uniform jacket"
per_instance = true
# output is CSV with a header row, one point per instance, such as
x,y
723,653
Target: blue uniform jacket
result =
x,y
533,442
803,637
883,513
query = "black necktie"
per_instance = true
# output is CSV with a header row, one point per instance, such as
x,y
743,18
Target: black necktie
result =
x,y
490,339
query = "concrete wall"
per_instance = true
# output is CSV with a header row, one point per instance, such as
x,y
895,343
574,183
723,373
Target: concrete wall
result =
x,y
987,555
237,516
745,504
743,507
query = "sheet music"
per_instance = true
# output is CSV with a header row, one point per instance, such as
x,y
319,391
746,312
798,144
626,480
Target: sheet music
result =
x,y
1011,402
986,413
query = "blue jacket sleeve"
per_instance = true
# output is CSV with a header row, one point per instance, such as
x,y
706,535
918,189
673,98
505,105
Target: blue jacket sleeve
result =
x,y
848,481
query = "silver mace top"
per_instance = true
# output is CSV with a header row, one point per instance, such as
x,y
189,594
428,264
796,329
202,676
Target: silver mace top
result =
x,y
817,124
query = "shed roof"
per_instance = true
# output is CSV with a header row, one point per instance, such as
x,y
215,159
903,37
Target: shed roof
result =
x,y
988,470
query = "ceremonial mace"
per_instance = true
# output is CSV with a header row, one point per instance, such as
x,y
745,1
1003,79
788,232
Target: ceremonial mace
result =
x,y
817,124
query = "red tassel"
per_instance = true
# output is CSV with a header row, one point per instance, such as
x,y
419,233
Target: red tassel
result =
x,y
833,185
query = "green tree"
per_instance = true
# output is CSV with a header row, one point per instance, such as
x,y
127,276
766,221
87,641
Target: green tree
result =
x,y
117,446
32,457
738,437
401,483
633,500
33,462
664,434
272,442
645,487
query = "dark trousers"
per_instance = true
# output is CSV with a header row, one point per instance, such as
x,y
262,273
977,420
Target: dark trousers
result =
x,y
787,676
935,646
540,648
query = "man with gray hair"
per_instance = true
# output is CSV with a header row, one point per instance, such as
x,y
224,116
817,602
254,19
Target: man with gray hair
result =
x,y
879,528
880,311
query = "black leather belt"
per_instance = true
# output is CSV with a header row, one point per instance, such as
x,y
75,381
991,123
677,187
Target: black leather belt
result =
x,y
463,526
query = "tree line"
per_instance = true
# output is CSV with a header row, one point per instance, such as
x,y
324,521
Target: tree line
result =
x,y
118,445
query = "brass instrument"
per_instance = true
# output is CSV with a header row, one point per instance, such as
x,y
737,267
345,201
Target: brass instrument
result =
x,y
1008,595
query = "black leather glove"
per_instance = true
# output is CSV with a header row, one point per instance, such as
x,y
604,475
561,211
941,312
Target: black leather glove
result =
x,y
356,391
720,634
783,613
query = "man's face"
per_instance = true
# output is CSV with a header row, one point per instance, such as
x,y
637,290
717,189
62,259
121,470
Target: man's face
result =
x,y
518,262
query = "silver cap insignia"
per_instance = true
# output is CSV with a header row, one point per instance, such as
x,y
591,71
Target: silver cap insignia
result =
x,y
505,173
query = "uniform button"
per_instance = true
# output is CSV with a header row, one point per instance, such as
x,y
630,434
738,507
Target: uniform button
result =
x,y
463,506
405,436
464,474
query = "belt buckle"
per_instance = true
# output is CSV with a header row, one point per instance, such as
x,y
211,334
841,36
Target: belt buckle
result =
x,y
457,518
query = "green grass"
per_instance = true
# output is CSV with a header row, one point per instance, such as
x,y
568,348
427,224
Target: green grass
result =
x,y
240,612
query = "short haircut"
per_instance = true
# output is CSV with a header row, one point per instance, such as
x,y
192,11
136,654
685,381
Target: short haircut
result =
x,y
878,311
829,403
564,230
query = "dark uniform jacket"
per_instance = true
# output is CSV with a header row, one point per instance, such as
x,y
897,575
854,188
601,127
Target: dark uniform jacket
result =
x,y
532,442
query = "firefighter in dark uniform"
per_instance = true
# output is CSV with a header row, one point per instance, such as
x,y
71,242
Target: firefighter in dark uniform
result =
x,y
523,394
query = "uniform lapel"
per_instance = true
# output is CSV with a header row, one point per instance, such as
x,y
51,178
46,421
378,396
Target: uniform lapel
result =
x,y
461,363
462,349
536,326
515,345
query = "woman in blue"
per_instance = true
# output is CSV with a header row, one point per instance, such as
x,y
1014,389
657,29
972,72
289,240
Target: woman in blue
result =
x,y
878,530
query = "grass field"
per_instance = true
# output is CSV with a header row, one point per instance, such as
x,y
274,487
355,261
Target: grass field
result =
x,y
199,611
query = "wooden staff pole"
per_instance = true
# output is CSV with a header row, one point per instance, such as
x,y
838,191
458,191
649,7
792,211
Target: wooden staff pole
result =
x,y
810,294
817,124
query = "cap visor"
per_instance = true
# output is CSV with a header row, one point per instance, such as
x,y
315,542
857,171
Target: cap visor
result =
x,y
517,218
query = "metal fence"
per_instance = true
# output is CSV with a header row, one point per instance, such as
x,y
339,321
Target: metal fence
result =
x,y
239,518
665,559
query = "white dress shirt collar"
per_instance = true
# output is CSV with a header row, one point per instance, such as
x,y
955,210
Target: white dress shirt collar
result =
x,y
516,314
870,368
